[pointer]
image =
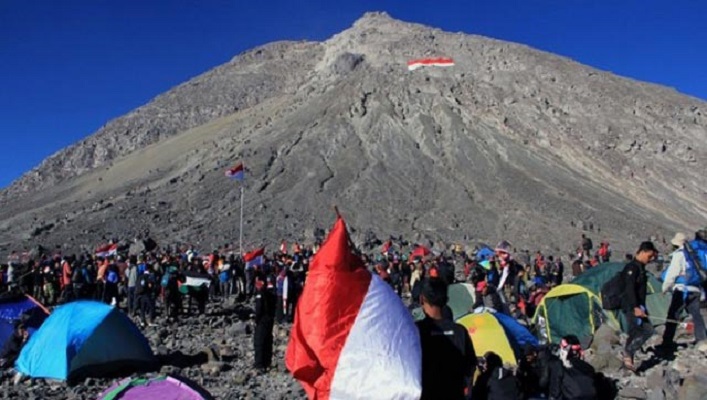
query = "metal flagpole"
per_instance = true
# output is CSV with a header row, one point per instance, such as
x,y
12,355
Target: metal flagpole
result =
x,y
240,232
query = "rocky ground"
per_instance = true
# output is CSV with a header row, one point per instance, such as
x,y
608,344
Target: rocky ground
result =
x,y
215,350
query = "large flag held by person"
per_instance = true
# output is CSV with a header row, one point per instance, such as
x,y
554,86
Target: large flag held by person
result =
x,y
236,173
254,258
107,250
352,337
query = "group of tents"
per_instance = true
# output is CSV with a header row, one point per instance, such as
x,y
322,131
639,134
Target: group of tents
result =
x,y
87,339
572,308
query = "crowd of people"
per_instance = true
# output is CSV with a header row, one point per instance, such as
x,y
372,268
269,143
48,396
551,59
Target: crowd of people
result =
x,y
505,280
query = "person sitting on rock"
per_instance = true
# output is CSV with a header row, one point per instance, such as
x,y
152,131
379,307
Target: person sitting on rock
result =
x,y
571,378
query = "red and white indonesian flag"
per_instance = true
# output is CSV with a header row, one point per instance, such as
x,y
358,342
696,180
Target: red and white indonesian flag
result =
x,y
107,250
352,338
430,62
254,258
283,247
236,173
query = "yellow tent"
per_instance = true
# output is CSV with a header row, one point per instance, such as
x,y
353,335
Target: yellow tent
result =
x,y
487,334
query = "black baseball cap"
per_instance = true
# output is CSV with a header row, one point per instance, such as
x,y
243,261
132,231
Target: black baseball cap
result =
x,y
647,246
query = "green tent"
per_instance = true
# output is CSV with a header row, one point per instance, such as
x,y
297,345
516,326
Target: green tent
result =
x,y
461,300
570,309
656,302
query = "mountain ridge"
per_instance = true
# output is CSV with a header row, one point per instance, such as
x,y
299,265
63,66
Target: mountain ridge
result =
x,y
510,143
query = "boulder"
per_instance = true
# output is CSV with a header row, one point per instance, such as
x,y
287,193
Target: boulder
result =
x,y
693,387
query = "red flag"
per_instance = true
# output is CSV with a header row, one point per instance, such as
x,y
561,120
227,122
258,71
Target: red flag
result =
x,y
283,247
254,258
420,251
351,330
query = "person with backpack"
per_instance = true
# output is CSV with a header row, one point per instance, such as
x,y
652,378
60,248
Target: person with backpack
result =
x,y
683,278
448,356
571,378
145,291
633,302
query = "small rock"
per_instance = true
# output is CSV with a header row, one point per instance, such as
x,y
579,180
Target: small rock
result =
x,y
632,392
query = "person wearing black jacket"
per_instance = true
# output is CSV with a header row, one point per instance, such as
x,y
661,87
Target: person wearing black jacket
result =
x,y
448,356
634,302
571,378
533,372
495,382
265,304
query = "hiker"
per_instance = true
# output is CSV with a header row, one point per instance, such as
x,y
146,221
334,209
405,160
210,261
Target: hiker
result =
x,y
495,382
509,271
132,275
265,303
533,372
112,277
604,252
145,290
683,278
13,345
633,302
487,296
173,298
67,290
586,247
571,378
448,356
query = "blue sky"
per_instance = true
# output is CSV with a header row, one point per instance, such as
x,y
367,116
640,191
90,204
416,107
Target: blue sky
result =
x,y
67,67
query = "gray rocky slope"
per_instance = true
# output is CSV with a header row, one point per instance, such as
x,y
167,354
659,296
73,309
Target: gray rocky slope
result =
x,y
509,143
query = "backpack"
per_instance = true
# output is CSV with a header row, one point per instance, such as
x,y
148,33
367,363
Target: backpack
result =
x,y
165,280
587,244
696,256
77,276
603,251
112,276
612,292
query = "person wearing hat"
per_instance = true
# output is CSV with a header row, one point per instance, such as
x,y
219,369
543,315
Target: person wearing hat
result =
x,y
635,280
570,376
684,280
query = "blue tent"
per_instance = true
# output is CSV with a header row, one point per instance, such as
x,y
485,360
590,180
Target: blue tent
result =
x,y
20,308
85,338
517,334
484,253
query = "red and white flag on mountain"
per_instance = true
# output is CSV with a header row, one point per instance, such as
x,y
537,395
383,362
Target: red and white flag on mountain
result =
x,y
430,62
107,250
283,247
352,338
254,258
